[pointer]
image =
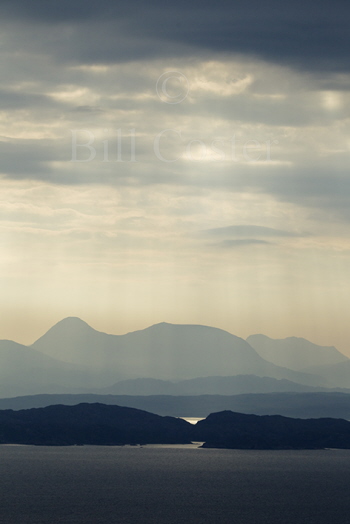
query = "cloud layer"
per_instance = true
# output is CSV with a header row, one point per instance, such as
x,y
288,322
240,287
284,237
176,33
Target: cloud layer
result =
x,y
189,159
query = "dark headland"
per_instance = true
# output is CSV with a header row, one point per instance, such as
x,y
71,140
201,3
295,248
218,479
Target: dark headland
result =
x,y
100,424
239,431
90,424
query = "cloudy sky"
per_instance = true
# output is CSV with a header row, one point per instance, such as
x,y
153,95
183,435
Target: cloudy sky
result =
x,y
180,162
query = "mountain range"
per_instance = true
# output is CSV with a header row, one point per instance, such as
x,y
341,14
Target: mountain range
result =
x,y
163,351
72,357
234,385
295,353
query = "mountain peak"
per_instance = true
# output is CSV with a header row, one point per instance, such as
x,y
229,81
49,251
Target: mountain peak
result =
x,y
72,321
67,329
71,326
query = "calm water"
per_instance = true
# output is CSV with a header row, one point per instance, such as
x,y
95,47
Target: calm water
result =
x,y
42,485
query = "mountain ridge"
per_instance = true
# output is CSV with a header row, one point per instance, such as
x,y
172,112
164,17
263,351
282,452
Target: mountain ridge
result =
x,y
213,385
297,405
25,370
163,351
73,357
295,352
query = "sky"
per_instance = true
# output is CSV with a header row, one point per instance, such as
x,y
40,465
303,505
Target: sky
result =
x,y
184,162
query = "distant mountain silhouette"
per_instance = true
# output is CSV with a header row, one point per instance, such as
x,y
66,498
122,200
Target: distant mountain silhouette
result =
x,y
73,340
334,373
163,351
24,370
205,386
72,357
295,353
300,405
240,431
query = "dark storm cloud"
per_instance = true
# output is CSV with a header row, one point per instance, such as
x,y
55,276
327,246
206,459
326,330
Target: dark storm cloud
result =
x,y
321,186
295,111
30,159
327,189
38,159
312,35
17,100
56,12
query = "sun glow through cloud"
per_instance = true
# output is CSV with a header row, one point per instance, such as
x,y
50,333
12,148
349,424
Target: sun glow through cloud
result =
x,y
172,137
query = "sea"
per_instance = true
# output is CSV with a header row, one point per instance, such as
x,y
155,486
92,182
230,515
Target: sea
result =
x,y
172,485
